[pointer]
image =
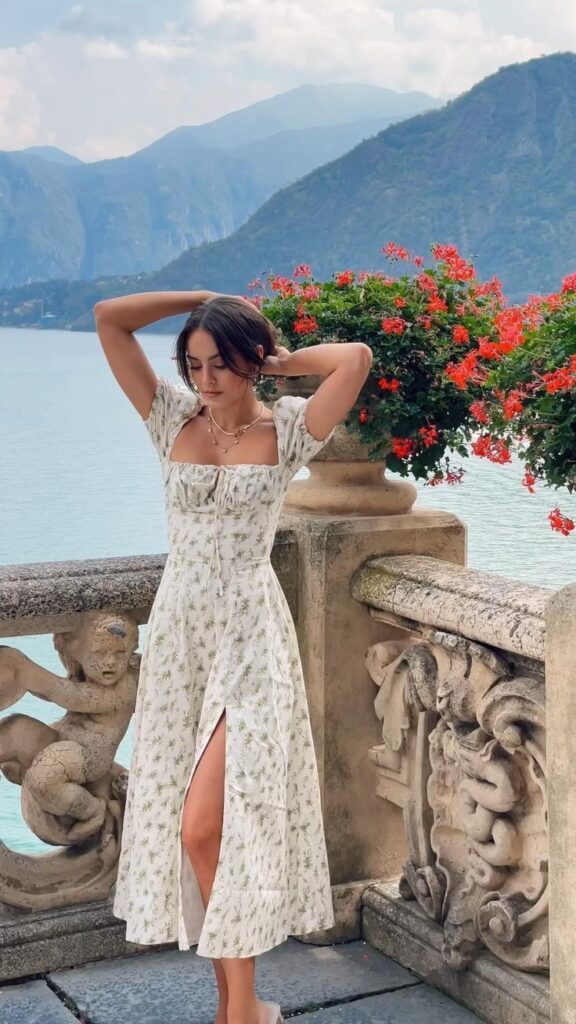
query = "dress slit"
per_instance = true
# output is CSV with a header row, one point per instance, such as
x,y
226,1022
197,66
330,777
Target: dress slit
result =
x,y
183,903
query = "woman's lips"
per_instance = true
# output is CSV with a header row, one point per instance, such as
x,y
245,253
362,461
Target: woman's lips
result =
x,y
212,393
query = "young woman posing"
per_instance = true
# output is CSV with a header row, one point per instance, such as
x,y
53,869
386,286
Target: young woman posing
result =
x,y
223,844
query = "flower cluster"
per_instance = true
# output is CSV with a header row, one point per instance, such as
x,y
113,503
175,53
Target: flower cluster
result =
x,y
420,325
455,368
530,392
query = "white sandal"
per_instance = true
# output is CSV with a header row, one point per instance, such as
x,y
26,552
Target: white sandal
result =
x,y
275,1016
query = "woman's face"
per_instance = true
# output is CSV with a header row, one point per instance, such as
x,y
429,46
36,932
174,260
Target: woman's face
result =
x,y
214,380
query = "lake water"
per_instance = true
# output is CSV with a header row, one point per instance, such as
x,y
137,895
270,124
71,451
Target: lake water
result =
x,y
79,478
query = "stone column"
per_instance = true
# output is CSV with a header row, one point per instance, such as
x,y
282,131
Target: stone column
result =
x,y
561,736
364,834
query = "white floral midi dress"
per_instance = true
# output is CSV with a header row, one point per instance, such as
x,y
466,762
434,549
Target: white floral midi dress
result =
x,y
220,638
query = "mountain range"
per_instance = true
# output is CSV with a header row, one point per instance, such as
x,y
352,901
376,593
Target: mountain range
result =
x,y
60,217
492,171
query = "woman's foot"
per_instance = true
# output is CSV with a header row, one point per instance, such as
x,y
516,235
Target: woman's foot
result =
x,y
261,1016
265,1015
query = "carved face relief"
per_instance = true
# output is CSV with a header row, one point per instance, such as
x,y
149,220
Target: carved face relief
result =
x,y
103,647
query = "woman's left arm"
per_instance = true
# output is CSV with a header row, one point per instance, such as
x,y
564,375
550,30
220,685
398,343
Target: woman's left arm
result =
x,y
345,365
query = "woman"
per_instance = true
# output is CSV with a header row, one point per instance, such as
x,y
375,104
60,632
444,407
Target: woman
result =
x,y
223,844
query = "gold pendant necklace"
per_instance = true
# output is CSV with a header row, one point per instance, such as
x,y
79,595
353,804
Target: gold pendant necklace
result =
x,y
236,434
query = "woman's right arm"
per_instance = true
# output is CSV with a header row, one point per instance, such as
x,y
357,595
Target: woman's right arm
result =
x,y
117,318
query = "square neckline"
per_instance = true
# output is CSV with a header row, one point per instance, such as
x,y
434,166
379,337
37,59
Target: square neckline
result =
x,y
235,465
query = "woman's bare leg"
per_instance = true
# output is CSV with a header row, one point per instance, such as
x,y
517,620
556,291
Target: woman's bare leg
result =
x,y
201,835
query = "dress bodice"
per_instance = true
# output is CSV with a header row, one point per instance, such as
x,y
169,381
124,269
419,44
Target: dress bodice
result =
x,y
225,516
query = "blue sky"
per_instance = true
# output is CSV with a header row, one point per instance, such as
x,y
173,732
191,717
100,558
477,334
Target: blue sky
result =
x,y
103,79
27,18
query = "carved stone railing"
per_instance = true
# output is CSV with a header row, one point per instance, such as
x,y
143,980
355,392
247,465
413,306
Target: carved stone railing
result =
x,y
462,701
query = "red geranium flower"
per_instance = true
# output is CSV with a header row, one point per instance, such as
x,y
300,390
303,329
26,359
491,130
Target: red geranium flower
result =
x,y
436,305
388,385
479,411
393,325
346,277
429,435
395,252
562,379
310,291
529,479
460,334
512,405
569,283
307,325
492,448
403,447
560,522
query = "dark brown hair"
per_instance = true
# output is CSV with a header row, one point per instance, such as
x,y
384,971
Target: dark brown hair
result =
x,y
236,326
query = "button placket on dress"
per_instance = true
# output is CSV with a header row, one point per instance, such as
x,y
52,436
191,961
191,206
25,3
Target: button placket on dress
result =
x,y
219,503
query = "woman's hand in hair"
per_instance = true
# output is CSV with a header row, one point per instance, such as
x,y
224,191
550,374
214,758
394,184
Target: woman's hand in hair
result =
x,y
277,364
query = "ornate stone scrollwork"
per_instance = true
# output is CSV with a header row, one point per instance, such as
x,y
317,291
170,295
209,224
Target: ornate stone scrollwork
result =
x,y
73,792
463,753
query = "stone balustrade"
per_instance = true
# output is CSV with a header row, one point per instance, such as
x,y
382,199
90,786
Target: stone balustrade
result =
x,y
461,697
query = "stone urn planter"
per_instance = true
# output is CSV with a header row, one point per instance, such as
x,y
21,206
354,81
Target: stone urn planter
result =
x,y
343,480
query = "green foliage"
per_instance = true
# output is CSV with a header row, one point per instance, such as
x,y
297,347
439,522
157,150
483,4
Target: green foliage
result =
x,y
409,409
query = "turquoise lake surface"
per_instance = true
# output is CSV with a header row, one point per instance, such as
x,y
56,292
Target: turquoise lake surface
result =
x,y
79,478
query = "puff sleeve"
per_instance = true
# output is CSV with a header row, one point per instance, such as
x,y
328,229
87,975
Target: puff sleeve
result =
x,y
172,405
299,445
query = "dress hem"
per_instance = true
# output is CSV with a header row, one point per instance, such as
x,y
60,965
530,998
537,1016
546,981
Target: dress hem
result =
x,y
216,950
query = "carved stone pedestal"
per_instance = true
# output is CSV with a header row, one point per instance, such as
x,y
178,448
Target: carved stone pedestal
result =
x,y
496,992
364,834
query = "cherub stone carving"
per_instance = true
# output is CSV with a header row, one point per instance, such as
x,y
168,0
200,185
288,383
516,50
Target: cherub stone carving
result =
x,y
71,784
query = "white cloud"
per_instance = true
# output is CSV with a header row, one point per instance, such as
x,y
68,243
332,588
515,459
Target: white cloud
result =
x,y
165,52
20,107
105,49
97,94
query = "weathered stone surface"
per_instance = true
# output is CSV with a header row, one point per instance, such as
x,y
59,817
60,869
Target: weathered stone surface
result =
x,y
418,1005
463,754
561,715
33,942
364,834
477,605
72,789
175,987
44,597
347,904
32,1002
357,487
497,993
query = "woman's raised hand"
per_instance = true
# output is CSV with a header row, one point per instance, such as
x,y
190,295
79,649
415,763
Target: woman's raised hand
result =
x,y
277,364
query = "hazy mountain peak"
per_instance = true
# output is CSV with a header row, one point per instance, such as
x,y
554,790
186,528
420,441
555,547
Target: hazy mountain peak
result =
x,y
51,153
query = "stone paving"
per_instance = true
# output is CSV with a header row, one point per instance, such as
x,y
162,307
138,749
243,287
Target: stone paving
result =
x,y
348,983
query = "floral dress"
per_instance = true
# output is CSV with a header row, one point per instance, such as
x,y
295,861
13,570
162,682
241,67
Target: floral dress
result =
x,y
220,638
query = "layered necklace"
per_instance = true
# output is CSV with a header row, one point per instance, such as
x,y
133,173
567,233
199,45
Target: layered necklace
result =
x,y
236,434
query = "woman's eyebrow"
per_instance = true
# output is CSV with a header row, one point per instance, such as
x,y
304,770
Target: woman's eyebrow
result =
x,y
209,357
